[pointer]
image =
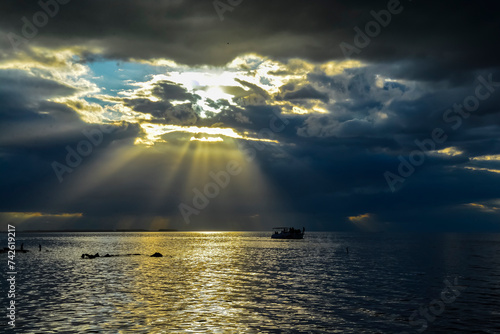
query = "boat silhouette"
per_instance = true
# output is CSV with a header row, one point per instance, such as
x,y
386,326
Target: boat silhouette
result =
x,y
288,233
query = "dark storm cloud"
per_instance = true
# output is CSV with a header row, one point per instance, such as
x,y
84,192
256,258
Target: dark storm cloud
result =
x,y
254,89
451,36
25,113
338,178
17,90
163,110
307,93
169,91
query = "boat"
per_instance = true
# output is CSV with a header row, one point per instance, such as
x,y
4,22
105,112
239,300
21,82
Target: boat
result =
x,y
288,233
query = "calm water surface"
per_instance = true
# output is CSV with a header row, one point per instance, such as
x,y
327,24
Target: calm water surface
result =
x,y
245,282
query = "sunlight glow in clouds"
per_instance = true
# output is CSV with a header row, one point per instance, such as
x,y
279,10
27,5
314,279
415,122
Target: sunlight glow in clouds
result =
x,y
483,207
366,222
103,90
487,158
207,139
28,215
155,131
496,171
20,218
449,151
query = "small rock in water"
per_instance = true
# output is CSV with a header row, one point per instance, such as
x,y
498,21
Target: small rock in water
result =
x,y
156,255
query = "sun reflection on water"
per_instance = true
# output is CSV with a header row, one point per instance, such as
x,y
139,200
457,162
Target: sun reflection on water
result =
x,y
229,282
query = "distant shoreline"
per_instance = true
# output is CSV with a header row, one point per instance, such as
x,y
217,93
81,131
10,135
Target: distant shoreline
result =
x,y
93,231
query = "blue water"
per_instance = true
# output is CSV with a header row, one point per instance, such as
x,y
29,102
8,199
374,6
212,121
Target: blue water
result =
x,y
245,282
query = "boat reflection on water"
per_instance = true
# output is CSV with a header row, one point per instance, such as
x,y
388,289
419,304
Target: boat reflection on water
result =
x,y
288,233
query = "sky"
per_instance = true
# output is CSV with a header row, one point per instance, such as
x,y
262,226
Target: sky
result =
x,y
245,115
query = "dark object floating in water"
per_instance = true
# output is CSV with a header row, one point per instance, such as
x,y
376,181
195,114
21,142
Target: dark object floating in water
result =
x,y
288,233
156,255
89,256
